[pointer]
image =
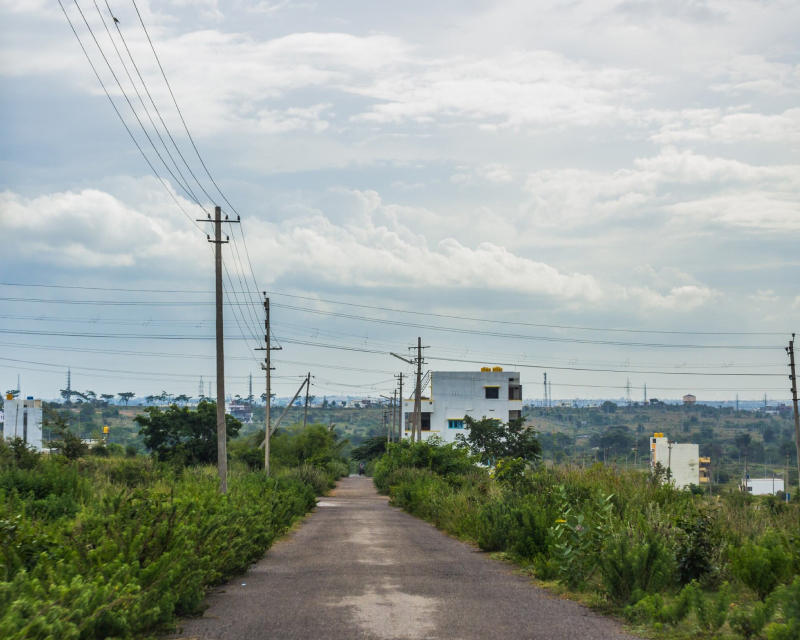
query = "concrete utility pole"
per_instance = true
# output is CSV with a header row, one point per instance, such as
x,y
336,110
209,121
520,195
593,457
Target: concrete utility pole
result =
x,y
268,368
305,413
793,378
222,435
400,411
418,394
401,394
394,412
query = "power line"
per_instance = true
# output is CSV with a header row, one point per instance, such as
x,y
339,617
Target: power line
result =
x,y
414,325
421,313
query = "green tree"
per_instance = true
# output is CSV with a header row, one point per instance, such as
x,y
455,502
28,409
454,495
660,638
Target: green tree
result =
x,y
492,440
107,397
179,433
126,396
70,444
369,449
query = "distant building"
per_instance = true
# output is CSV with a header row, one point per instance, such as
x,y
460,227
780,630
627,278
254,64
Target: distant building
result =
x,y
689,399
762,486
23,419
681,461
705,470
489,393
241,411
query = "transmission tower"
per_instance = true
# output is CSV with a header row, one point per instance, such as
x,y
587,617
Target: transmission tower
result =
x,y
544,402
69,383
250,389
200,388
550,394
628,391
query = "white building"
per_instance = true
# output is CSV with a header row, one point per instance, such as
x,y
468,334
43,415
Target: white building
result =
x,y
23,419
489,393
681,460
762,486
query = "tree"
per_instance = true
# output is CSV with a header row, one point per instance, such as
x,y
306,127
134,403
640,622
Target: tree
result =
x,y
182,399
743,440
70,445
370,449
608,407
179,433
492,440
150,399
126,396
90,396
107,397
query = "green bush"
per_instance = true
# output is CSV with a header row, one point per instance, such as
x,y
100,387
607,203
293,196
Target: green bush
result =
x,y
761,566
635,563
788,597
749,623
129,559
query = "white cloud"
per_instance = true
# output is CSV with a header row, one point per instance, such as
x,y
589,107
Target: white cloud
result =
x,y
711,126
743,195
93,229
367,248
497,173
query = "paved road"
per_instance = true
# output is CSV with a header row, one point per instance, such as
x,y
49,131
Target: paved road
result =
x,y
360,569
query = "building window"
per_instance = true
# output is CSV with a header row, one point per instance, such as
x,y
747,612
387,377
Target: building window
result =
x,y
515,392
492,393
455,424
514,415
426,420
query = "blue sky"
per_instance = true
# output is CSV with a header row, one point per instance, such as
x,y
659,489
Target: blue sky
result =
x,y
627,164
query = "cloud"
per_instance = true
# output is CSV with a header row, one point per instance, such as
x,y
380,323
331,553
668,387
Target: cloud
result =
x,y
362,242
497,173
743,195
93,229
711,126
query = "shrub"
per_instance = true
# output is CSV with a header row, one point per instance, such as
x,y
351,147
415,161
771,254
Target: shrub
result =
x,y
750,623
789,599
635,563
131,559
712,612
307,474
762,566
695,547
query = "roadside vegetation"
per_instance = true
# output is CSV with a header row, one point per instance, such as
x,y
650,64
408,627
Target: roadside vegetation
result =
x,y
672,563
105,543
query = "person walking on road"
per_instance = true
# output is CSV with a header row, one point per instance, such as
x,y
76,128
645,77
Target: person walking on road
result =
x,y
361,468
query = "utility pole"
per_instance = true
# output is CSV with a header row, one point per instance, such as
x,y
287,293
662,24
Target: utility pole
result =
x,y
669,460
394,412
400,409
268,369
305,413
793,378
418,394
222,436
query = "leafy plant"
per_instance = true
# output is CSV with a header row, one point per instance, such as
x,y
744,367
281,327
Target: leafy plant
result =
x,y
635,563
762,566
695,547
749,623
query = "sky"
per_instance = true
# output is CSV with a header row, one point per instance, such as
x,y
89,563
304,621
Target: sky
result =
x,y
605,191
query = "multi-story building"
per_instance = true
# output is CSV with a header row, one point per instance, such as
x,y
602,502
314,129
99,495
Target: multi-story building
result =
x,y
23,419
681,461
488,393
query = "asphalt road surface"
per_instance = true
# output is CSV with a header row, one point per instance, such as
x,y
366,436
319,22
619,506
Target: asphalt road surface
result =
x,y
360,569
